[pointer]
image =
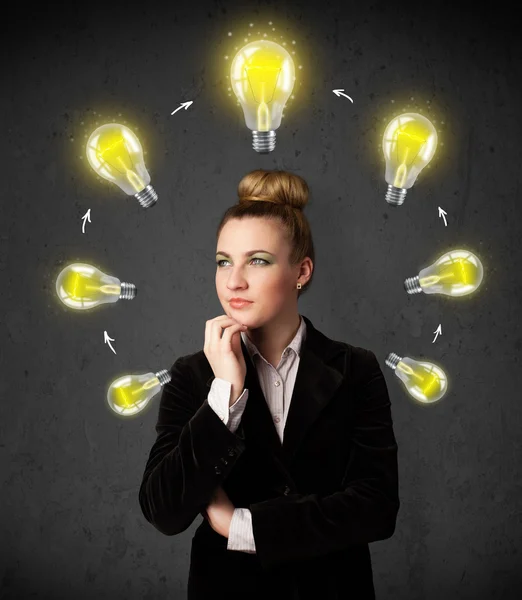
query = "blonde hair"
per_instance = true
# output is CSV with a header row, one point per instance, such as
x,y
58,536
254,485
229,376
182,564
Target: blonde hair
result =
x,y
279,196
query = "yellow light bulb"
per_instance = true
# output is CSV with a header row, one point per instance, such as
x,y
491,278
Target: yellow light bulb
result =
x,y
115,153
424,381
262,75
455,273
130,394
83,286
409,143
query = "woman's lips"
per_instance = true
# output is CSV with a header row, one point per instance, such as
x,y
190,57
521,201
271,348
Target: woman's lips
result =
x,y
238,304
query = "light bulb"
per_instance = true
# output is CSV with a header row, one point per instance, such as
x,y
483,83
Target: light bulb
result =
x,y
83,286
130,394
424,381
409,143
262,75
115,153
455,273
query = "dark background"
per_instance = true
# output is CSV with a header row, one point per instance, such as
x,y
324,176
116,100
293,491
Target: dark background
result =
x,y
70,522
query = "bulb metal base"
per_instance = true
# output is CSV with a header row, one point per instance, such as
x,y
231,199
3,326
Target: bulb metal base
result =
x,y
128,291
392,360
147,197
164,376
412,285
395,196
263,141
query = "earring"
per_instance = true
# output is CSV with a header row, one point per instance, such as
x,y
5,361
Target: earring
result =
x,y
298,286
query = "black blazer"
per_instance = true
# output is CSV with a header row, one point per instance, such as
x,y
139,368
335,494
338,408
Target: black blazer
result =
x,y
317,500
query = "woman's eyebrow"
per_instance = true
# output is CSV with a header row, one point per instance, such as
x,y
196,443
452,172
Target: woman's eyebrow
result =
x,y
244,253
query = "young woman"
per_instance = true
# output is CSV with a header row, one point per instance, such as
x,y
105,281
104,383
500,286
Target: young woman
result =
x,y
280,437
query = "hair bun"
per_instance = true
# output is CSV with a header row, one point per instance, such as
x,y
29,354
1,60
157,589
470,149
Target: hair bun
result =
x,y
279,187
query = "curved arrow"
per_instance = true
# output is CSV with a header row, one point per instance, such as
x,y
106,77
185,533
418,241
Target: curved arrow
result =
x,y
184,105
86,217
443,213
339,93
108,340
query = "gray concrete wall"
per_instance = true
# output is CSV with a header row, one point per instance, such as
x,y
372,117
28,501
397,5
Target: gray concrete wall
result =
x,y
70,522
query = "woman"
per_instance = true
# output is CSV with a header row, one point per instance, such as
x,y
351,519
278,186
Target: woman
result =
x,y
279,436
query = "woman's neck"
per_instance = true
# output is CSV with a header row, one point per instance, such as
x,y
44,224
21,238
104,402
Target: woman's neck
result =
x,y
273,338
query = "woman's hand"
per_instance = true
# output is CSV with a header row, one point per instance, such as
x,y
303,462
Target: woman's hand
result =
x,y
223,351
219,512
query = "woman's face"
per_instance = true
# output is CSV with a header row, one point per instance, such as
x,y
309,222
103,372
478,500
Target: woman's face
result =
x,y
264,277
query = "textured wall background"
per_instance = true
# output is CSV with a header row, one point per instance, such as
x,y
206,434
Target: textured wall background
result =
x,y
70,522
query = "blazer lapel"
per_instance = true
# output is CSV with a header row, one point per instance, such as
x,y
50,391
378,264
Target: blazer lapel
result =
x,y
315,385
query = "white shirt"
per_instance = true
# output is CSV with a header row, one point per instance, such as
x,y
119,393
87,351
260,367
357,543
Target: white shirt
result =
x,y
277,384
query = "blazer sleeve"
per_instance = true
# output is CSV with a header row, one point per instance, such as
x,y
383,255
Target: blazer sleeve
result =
x,y
193,454
364,510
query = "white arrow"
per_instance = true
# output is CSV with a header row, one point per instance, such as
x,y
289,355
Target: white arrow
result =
x,y
443,213
339,93
86,217
108,340
437,332
184,105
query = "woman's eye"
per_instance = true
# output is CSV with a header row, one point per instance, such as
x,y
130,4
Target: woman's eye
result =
x,y
223,260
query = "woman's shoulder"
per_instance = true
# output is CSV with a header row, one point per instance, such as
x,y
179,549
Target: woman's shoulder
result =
x,y
190,359
358,352
362,362
195,363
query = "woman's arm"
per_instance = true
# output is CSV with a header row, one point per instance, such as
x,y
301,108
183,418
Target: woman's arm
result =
x,y
185,463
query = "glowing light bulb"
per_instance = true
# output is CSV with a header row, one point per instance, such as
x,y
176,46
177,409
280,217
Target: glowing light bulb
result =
x,y
424,381
262,75
83,286
115,153
455,273
409,143
130,394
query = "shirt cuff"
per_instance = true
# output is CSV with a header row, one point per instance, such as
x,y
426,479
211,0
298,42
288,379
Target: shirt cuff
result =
x,y
218,399
241,534
236,411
